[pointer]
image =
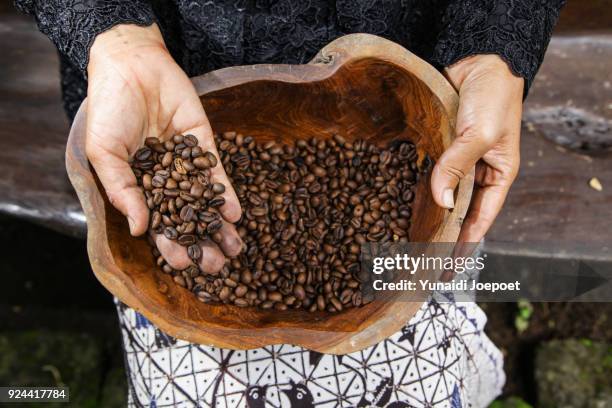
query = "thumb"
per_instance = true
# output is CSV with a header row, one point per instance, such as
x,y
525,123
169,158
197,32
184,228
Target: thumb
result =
x,y
121,187
456,162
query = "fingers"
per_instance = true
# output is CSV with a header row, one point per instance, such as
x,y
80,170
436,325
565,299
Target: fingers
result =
x,y
490,106
491,189
488,133
121,188
213,255
230,242
211,262
457,161
173,253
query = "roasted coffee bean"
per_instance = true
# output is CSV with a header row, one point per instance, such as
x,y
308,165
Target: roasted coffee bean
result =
x,y
180,281
339,139
214,226
246,277
275,296
336,303
143,154
155,219
258,211
280,307
186,153
179,166
188,166
171,192
202,162
147,181
319,171
346,295
187,213
230,282
216,202
186,197
211,158
190,140
186,240
241,302
307,210
189,227
298,291
240,290
151,141
267,304
171,184
196,189
158,182
158,148
166,159
196,151
167,221
169,145
321,303
194,251
208,216
218,188
170,233
225,293
176,175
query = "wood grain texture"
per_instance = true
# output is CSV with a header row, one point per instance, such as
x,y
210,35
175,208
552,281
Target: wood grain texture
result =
x,y
359,86
33,130
566,140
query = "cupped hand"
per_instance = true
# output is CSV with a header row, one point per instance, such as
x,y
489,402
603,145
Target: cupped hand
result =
x,y
487,136
135,91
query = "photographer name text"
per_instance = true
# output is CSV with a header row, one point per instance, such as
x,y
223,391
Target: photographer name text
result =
x,y
461,285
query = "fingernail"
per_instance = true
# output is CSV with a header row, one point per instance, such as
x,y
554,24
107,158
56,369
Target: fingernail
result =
x,y
448,199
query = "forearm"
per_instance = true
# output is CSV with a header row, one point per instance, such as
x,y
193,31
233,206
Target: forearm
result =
x,y
517,30
72,25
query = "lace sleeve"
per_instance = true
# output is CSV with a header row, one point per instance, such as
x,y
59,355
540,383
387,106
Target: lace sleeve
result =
x,y
72,25
516,30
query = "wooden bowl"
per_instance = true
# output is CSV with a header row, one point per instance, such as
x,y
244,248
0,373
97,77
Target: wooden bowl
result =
x,y
359,86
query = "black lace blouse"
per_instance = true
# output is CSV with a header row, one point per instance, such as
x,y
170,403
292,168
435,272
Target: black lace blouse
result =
x,y
204,35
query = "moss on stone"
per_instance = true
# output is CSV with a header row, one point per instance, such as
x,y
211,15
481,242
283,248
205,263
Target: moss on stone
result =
x,y
510,402
46,358
574,373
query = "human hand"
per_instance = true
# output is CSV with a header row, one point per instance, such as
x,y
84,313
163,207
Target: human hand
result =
x,y
488,135
135,91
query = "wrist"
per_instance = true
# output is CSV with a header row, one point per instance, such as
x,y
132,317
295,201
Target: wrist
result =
x,y
122,42
473,67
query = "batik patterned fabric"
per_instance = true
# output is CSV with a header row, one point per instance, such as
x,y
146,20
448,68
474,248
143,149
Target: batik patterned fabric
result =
x,y
441,358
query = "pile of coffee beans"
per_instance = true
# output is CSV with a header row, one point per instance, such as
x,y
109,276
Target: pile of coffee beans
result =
x,y
307,209
176,178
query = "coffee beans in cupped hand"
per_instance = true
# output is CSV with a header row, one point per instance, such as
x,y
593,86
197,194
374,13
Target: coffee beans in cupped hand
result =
x,y
175,176
307,209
